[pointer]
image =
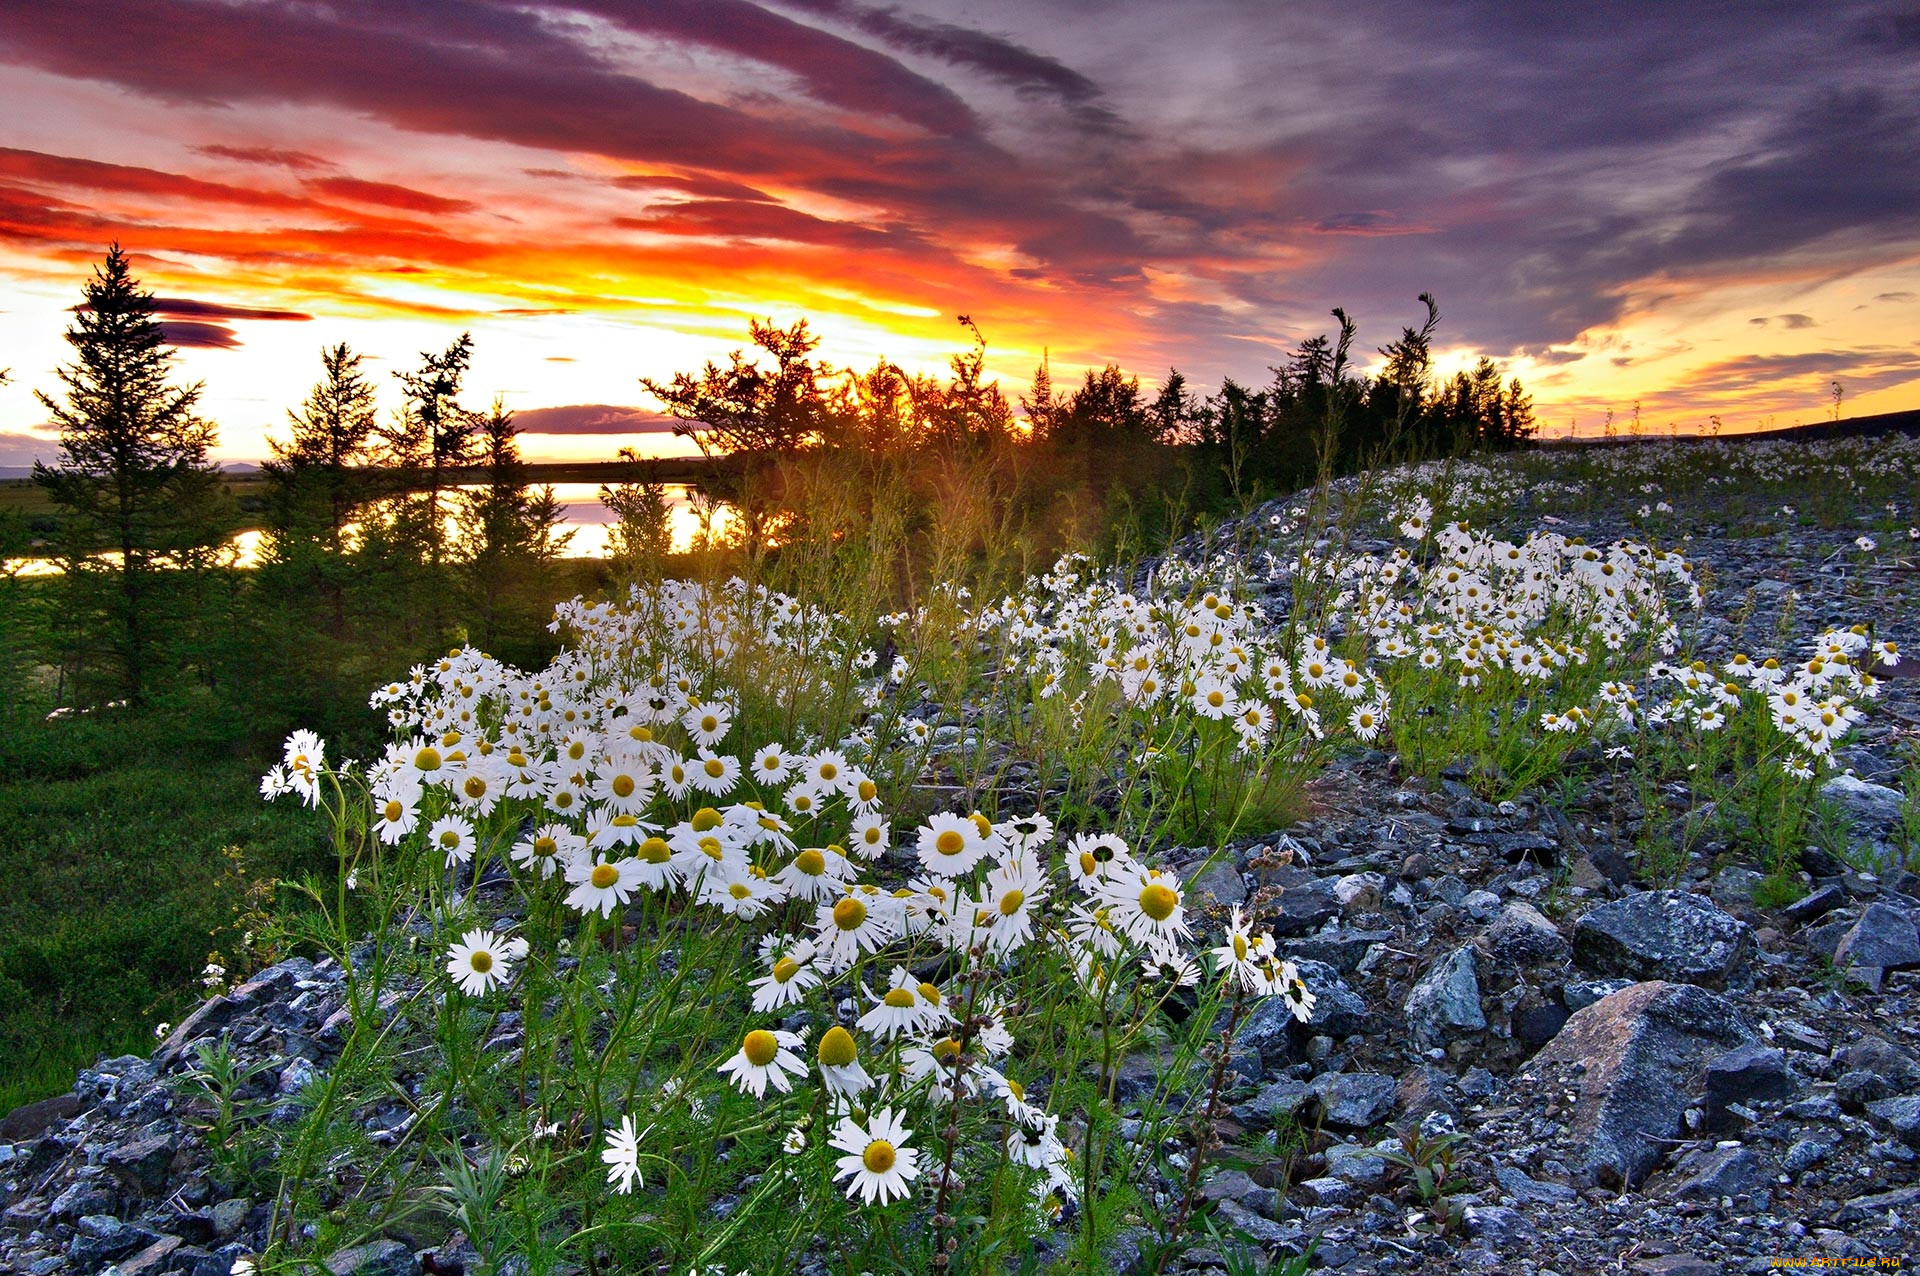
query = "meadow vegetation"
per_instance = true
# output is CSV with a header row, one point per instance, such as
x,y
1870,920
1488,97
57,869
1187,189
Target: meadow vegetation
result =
x,y
831,887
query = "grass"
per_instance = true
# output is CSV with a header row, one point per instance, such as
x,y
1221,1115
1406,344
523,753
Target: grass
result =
x,y
132,848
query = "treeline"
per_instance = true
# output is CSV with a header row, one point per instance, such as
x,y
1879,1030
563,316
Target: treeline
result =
x,y
1102,463
378,549
372,556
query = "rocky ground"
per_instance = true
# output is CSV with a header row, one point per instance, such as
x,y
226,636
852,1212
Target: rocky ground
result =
x,y
1671,1081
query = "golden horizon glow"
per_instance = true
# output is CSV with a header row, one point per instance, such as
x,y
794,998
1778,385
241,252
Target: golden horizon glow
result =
x,y
622,191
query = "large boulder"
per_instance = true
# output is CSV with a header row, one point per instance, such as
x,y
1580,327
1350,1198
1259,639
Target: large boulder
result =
x,y
1670,935
1634,1061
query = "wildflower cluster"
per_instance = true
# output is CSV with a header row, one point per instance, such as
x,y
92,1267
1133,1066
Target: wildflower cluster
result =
x,y
918,1000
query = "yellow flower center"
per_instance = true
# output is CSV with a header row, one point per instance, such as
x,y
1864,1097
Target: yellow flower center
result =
x,y
982,823
712,847
946,1050
1088,864
785,969
1240,947
879,1157
655,850
949,842
716,768
709,724
869,790
871,836
545,846
828,771
394,810
706,819
739,890
849,914
1011,901
427,759
1017,1090
604,876
760,1047
810,862
643,734
623,786
481,960
836,1048
931,994
1216,698
1158,902
898,998
450,838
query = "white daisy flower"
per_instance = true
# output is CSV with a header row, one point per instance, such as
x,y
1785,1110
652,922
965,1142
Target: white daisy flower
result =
x,y
765,1057
479,961
878,1160
452,836
622,1156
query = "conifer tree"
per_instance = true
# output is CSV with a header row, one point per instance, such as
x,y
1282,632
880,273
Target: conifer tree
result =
x,y
133,479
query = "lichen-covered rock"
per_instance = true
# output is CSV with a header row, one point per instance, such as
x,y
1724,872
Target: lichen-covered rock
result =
x,y
1669,935
1447,1001
1634,1060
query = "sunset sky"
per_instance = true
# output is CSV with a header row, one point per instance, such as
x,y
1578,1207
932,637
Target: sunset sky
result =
x,y
1701,207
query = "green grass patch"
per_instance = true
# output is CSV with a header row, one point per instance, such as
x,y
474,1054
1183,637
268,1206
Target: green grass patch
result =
x,y
131,847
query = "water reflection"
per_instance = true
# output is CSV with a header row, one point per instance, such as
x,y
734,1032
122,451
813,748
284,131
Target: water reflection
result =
x,y
581,510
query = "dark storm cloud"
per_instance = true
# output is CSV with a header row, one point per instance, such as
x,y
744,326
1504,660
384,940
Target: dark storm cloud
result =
x,y
994,56
188,308
1860,371
271,156
592,418
1538,167
387,195
204,336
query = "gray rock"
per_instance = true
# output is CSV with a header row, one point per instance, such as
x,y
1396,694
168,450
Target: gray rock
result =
x,y
1582,993
1354,1100
1329,1191
1863,1208
1220,885
1523,936
1340,949
1481,905
1498,1225
1237,1185
142,1164
1263,1230
1901,1115
1884,938
1303,909
1357,1163
1634,1060
1815,904
1871,1054
1805,1154
1447,1000
229,1215
155,1258
376,1258
99,1237
1528,1190
1670,935
1733,886
1338,1011
1278,1101
1872,809
1725,1171
1745,1074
